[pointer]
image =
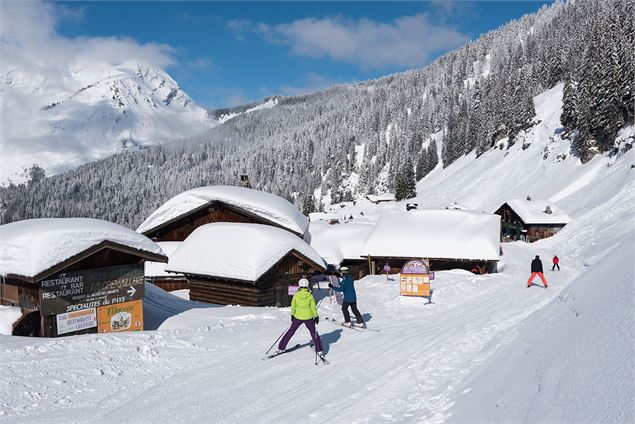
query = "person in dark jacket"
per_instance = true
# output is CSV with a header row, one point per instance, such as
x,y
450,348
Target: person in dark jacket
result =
x,y
556,263
536,270
347,286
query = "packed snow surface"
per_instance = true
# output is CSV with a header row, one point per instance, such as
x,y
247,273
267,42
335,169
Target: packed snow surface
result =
x,y
265,205
535,212
578,348
236,251
435,234
338,242
157,269
34,245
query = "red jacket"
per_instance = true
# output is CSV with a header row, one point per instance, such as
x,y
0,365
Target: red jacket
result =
x,y
555,260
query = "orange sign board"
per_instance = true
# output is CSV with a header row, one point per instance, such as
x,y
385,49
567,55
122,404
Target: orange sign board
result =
x,y
127,316
414,285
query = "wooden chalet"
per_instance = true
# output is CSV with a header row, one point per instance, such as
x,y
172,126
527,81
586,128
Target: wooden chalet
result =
x,y
244,264
61,266
530,220
176,219
381,198
449,239
156,274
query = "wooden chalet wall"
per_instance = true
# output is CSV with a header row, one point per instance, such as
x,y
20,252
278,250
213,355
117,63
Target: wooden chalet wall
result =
x,y
26,295
169,283
213,212
357,268
539,232
269,290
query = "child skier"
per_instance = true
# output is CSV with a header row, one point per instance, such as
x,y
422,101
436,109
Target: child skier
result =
x,y
303,311
347,286
536,269
556,263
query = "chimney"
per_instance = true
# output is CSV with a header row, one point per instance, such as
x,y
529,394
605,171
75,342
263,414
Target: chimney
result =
x,y
548,210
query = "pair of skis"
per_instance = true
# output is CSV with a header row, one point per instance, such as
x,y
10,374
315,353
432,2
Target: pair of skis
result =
x,y
296,347
352,327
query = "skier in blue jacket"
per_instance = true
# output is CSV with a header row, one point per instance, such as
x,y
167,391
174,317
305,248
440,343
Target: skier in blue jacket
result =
x,y
347,286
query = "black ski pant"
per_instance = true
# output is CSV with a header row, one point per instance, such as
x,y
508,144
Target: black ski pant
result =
x,y
554,267
347,316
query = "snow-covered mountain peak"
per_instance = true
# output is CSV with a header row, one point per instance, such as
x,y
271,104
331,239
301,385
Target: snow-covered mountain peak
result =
x,y
63,119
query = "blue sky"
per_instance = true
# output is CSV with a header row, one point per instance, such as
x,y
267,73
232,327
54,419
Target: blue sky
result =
x,y
228,53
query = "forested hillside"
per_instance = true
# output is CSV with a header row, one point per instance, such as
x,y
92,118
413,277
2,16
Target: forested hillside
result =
x,y
360,138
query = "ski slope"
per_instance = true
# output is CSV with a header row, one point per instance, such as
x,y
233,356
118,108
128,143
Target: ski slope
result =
x,y
487,349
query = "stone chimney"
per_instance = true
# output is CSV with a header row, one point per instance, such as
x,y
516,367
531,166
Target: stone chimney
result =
x,y
244,181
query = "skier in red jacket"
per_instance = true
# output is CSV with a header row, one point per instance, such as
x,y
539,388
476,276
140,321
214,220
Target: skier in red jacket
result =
x,y
556,262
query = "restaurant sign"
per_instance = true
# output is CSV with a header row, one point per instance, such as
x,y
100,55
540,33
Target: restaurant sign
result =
x,y
90,288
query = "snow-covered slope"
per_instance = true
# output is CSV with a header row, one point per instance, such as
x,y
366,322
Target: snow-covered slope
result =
x,y
571,361
95,110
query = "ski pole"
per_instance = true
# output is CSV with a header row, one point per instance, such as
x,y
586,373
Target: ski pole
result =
x,y
274,343
317,337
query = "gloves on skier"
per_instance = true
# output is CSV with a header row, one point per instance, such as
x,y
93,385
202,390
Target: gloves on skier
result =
x,y
291,318
317,320
330,286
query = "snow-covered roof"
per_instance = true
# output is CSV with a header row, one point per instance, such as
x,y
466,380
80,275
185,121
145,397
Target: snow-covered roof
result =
x,y
237,251
157,269
336,243
265,205
533,212
448,234
385,197
30,247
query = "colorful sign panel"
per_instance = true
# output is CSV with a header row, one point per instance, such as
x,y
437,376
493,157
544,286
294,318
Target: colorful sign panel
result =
x,y
414,279
76,321
90,288
416,267
292,290
127,316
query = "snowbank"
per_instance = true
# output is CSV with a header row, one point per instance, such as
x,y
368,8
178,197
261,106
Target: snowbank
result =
x,y
450,234
265,205
236,251
157,269
573,360
8,315
534,212
338,242
31,246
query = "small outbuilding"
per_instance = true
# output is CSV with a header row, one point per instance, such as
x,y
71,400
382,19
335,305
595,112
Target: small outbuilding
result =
x,y
530,220
341,245
244,264
177,218
381,198
156,274
74,275
447,238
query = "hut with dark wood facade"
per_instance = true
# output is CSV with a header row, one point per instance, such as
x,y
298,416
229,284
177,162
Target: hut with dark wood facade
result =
x,y
156,274
244,264
177,218
54,267
530,220
449,239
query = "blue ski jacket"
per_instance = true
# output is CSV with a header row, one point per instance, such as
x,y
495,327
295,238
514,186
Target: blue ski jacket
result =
x,y
347,285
